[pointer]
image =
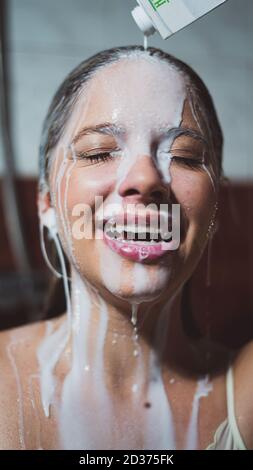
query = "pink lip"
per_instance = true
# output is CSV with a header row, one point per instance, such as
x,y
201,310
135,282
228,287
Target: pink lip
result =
x,y
133,250
137,251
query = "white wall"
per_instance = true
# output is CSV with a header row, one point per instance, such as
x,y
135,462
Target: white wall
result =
x,y
50,37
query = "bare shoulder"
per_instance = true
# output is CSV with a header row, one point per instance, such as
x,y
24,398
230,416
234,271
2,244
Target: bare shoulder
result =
x,y
26,335
20,345
17,357
243,392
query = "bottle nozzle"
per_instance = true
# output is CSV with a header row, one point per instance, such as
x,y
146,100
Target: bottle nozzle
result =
x,y
143,21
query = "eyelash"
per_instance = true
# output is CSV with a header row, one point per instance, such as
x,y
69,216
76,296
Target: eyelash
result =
x,y
97,157
189,162
105,156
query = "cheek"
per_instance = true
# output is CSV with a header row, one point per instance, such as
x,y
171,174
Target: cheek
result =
x,y
84,185
81,192
195,193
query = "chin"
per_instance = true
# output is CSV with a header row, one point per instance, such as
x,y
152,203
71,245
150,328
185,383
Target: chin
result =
x,y
139,297
141,284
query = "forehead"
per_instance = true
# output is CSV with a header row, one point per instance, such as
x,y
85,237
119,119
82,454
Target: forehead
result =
x,y
135,91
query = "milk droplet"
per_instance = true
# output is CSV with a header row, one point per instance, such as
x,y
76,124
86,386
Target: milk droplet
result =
x,y
134,313
135,388
145,42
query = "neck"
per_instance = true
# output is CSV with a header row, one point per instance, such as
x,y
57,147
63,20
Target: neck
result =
x,y
107,338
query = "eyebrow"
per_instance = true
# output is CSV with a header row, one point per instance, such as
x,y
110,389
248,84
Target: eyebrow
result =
x,y
186,131
105,128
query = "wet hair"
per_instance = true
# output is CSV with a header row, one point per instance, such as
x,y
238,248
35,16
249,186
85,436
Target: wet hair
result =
x,y
63,104
67,95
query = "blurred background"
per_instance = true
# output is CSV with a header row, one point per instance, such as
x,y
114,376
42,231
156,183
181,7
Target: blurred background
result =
x,y
41,41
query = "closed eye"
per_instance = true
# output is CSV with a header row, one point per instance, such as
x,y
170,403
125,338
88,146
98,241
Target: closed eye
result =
x,y
96,157
192,163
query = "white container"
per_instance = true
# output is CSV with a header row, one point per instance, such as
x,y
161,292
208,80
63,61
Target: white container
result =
x,y
169,16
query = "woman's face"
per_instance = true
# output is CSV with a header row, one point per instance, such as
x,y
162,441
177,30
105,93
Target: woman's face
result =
x,y
118,151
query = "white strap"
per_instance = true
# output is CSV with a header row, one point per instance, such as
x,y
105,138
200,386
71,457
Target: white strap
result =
x,y
231,411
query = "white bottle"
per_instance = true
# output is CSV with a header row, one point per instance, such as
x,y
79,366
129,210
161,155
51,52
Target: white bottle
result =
x,y
169,16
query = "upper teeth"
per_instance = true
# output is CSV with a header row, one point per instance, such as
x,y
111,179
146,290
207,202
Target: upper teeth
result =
x,y
117,230
131,228
134,228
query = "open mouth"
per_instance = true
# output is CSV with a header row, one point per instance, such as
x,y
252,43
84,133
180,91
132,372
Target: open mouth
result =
x,y
136,233
139,237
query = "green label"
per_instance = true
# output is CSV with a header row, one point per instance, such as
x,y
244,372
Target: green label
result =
x,y
158,3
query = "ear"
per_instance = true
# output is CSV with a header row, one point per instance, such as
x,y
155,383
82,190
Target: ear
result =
x,y
43,202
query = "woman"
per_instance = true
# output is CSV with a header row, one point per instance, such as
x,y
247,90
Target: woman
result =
x,y
131,137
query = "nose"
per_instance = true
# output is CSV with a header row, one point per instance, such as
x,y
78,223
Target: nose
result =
x,y
144,183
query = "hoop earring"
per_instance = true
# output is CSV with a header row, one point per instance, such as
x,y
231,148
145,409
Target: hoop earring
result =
x,y
212,228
